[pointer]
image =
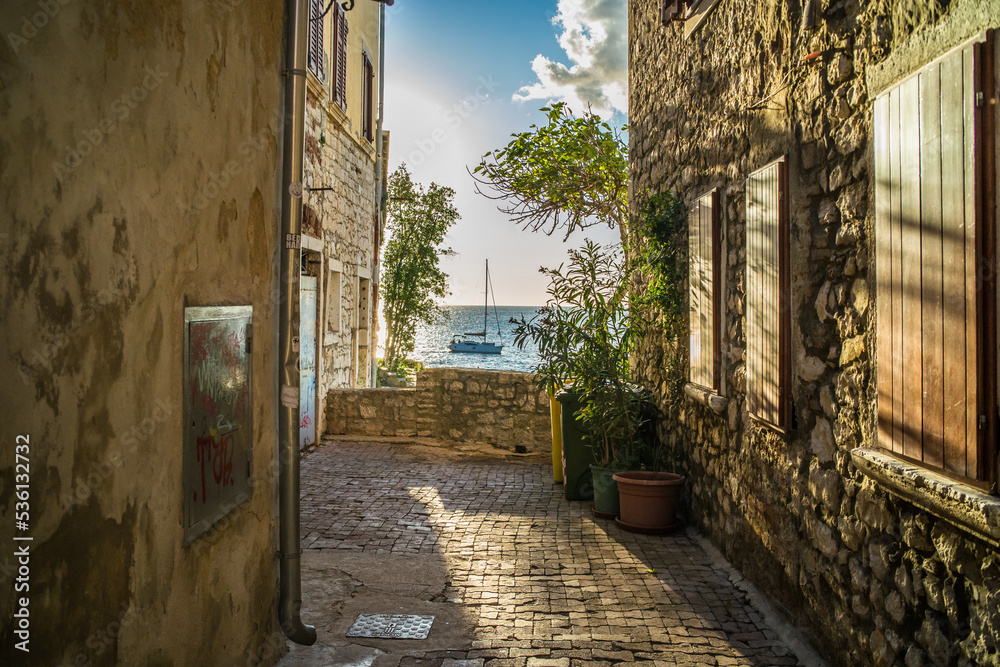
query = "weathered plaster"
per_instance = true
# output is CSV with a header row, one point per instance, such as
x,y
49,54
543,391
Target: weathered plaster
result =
x,y
138,148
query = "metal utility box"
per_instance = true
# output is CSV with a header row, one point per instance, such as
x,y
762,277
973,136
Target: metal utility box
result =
x,y
217,410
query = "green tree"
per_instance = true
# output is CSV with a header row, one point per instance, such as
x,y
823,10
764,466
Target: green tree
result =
x,y
569,174
412,279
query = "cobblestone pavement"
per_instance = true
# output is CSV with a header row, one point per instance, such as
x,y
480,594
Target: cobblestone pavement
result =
x,y
534,579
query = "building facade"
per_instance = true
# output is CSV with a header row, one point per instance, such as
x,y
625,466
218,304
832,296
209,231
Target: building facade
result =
x,y
344,178
839,426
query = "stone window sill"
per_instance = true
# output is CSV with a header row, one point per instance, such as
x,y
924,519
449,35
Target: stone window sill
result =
x,y
315,86
707,397
966,508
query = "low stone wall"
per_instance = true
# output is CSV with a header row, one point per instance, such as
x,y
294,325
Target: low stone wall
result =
x,y
502,408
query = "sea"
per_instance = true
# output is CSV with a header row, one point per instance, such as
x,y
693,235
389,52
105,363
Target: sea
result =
x,y
431,345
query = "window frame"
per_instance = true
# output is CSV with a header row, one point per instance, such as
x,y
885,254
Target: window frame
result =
x,y
334,298
316,60
338,56
714,271
777,371
979,195
367,97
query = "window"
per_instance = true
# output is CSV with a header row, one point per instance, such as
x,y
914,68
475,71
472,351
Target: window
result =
x,y
367,98
339,83
334,294
316,59
364,321
364,312
767,323
932,233
705,291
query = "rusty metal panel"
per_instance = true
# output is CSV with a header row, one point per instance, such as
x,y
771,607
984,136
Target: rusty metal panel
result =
x,y
217,414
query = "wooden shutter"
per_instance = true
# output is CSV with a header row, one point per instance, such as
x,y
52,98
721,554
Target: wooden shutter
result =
x,y
315,58
768,326
705,290
340,68
367,104
929,240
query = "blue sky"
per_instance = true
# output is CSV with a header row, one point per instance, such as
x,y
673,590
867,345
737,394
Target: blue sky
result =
x,y
453,70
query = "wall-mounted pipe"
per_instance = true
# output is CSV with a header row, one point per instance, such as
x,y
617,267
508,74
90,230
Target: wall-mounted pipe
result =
x,y
289,538
380,193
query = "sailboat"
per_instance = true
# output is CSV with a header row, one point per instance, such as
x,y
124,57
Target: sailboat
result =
x,y
464,344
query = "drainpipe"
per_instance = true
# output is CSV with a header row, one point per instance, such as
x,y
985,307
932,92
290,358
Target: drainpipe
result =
x,y
289,539
380,188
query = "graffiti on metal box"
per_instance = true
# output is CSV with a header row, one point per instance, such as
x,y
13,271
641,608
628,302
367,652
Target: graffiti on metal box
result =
x,y
217,441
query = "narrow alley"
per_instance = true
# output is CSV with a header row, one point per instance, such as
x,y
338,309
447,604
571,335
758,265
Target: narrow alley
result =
x,y
513,573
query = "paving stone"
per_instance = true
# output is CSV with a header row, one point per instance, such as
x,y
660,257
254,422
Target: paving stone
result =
x,y
544,583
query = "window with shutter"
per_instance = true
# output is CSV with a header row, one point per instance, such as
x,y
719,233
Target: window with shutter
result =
x,y
705,290
339,22
767,319
932,233
315,60
367,98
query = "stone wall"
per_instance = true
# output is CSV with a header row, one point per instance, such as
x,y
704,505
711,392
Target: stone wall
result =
x,y
341,213
877,578
501,408
139,152
346,224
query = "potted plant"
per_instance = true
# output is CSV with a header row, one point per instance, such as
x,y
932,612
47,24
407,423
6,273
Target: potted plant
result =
x,y
649,497
614,419
584,336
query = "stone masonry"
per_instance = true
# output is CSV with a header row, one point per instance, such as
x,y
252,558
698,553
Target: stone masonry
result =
x,y
344,219
502,408
879,577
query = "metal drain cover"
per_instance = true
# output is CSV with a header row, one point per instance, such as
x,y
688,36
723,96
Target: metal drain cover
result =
x,y
391,626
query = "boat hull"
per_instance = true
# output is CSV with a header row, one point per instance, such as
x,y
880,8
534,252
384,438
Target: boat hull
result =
x,y
475,348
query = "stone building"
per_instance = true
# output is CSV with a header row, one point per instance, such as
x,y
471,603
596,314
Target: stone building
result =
x,y
839,428
345,176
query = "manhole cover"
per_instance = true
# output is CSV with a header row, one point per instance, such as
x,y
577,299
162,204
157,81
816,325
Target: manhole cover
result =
x,y
391,626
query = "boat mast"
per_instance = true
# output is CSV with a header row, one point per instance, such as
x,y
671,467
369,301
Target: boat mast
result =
x,y
486,299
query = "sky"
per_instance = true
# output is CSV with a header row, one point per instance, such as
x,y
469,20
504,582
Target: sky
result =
x,y
460,78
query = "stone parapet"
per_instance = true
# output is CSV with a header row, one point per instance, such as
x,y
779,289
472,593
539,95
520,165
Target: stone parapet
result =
x,y
504,409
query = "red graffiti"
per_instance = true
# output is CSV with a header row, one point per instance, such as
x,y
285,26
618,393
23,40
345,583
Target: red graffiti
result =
x,y
233,349
199,341
203,402
216,455
305,420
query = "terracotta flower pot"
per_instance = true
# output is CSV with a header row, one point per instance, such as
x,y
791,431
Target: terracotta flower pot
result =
x,y
648,500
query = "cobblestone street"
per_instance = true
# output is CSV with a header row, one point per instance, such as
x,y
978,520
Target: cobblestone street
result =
x,y
515,574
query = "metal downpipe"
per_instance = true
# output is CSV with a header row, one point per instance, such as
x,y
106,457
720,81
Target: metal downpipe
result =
x,y
379,185
289,538
380,193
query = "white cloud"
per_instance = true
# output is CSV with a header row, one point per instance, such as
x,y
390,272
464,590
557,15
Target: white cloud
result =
x,y
595,38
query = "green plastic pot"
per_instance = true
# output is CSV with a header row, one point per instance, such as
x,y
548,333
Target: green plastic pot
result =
x,y
606,501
